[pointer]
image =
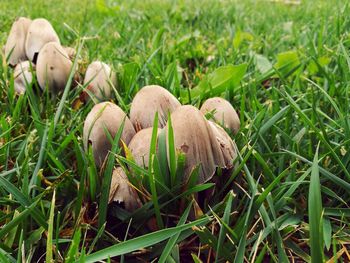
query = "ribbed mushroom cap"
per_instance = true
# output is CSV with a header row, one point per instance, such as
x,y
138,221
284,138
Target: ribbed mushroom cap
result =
x,y
195,138
227,145
148,101
122,192
140,146
39,33
98,77
53,67
22,76
224,113
105,115
15,44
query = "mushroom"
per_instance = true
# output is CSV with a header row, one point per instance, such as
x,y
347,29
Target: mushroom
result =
x,y
227,145
121,191
148,101
140,146
39,33
105,116
22,76
15,44
53,67
194,137
223,113
98,77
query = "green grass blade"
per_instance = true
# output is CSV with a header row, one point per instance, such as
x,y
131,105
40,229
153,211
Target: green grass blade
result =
x,y
315,214
152,163
107,178
68,84
49,247
36,214
171,152
225,219
172,241
141,242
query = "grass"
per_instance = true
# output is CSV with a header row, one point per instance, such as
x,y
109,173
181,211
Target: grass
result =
x,y
285,68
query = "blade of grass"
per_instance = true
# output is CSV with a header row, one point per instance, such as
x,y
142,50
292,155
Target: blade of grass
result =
x,y
68,84
49,247
107,177
141,242
36,213
226,220
171,152
315,213
172,241
152,162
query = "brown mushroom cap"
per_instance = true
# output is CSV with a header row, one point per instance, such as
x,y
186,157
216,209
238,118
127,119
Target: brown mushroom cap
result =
x,y
105,115
15,44
22,76
224,113
39,33
148,101
140,146
53,67
195,138
122,192
227,145
99,75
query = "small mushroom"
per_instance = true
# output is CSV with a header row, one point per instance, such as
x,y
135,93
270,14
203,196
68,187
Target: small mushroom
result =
x,y
99,77
53,67
105,116
22,76
140,146
15,44
194,137
223,113
39,33
122,192
148,101
227,145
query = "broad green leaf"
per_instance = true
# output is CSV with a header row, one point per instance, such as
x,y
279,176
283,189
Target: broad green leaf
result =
x,y
222,79
287,62
240,37
262,63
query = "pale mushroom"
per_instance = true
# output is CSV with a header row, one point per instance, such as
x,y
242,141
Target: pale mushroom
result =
x,y
140,146
105,116
23,76
227,145
122,192
39,33
223,113
194,137
98,79
148,101
15,44
53,67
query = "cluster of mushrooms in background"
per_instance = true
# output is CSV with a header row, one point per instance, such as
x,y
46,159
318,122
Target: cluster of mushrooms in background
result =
x,y
33,47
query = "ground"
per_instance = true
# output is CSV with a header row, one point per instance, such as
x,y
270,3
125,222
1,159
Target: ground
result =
x,y
285,69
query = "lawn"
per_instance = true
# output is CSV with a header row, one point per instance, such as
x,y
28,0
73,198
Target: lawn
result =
x,y
286,70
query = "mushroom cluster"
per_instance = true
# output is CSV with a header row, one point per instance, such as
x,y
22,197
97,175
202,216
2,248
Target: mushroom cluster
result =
x,y
203,142
34,49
